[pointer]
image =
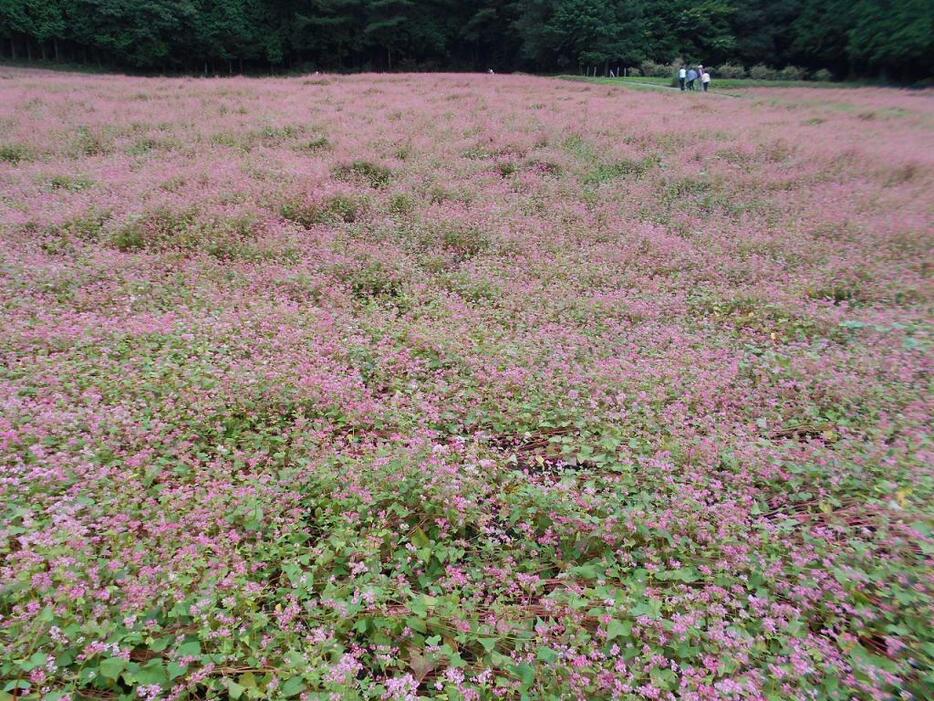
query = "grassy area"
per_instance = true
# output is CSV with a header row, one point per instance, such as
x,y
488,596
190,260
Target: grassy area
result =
x,y
716,85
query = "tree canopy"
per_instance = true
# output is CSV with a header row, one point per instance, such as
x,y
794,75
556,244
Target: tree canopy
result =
x,y
852,38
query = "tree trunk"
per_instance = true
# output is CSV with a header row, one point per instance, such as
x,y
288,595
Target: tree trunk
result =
x,y
28,50
55,47
13,48
388,59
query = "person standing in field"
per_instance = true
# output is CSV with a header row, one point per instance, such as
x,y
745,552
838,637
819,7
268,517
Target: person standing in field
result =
x,y
692,76
682,77
705,80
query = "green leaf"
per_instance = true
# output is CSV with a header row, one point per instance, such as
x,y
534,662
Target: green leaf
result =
x,y
38,659
190,649
526,673
152,673
546,654
160,644
234,690
293,687
416,624
860,655
111,667
420,539
420,604
174,669
586,571
687,575
663,678
650,607
618,629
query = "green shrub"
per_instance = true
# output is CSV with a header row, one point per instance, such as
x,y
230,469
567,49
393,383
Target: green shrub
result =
x,y
438,194
620,169
730,71
91,142
657,70
303,213
401,203
14,153
71,183
838,291
373,174
506,168
319,143
762,72
545,167
343,208
477,153
463,240
86,227
173,184
158,229
300,288
791,73
822,75
164,229
338,208
274,135
223,138
59,239
148,144
373,280
473,290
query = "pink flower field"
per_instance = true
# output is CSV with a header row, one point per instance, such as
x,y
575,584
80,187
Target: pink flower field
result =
x,y
463,387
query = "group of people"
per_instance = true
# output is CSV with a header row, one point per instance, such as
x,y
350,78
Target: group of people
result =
x,y
687,77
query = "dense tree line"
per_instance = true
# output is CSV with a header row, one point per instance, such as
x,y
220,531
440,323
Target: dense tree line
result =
x,y
852,38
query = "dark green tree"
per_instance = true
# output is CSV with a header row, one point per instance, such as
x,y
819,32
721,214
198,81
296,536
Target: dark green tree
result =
x,y
892,38
32,23
329,31
764,30
820,35
860,38
698,31
488,36
140,34
389,26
